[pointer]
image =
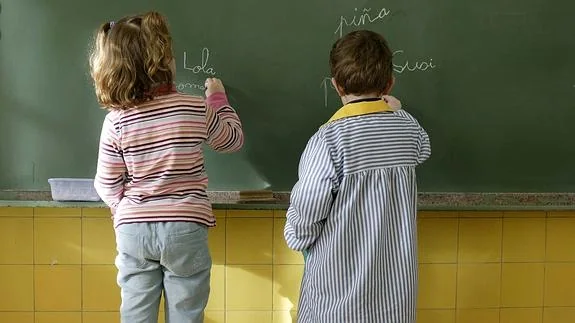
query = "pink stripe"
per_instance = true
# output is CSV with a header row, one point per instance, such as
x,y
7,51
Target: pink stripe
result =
x,y
157,126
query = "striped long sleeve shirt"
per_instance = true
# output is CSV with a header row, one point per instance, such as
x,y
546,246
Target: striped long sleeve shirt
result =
x,y
151,163
354,210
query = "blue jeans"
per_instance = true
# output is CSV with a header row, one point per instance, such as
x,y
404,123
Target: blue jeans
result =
x,y
168,257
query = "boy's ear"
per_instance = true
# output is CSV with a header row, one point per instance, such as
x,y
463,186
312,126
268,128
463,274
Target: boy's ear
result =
x,y
390,85
337,87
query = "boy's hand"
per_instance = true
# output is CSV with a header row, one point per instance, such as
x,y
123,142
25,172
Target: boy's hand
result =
x,y
214,85
393,103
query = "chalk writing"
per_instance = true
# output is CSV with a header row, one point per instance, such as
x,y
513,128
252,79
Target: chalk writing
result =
x,y
411,67
194,86
365,17
203,67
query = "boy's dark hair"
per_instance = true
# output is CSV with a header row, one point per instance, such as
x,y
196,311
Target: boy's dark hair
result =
x,y
361,63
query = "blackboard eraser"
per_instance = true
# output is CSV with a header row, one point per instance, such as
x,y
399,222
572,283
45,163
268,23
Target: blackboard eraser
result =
x,y
256,196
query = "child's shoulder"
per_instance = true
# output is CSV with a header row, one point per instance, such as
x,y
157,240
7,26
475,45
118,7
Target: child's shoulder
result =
x,y
164,101
114,115
406,115
186,98
171,100
175,98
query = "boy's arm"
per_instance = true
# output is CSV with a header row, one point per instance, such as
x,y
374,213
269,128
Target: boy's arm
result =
x,y
424,146
312,196
224,129
109,181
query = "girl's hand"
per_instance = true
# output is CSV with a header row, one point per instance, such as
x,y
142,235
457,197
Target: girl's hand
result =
x,y
214,85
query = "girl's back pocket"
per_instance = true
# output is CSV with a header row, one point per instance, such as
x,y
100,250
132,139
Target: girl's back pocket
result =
x,y
186,251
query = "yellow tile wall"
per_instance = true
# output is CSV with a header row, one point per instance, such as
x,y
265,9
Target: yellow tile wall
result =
x,y
56,266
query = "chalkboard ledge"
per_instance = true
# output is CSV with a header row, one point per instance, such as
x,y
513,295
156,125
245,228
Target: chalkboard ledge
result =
x,y
219,199
426,201
97,205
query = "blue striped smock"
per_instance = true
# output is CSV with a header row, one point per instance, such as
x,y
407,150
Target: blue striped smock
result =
x,y
354,209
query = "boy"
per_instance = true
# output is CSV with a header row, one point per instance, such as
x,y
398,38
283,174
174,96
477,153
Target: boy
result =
x,y
354,207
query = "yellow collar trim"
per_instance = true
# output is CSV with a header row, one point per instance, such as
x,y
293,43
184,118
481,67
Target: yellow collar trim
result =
x,y
360,108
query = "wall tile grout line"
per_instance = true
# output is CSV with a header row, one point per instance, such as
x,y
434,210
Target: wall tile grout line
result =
x,y
457,264
502,228
82,264
272,265
34,262
545,224
225,219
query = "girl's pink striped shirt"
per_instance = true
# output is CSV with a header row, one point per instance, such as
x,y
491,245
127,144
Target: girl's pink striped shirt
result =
x,y
150,160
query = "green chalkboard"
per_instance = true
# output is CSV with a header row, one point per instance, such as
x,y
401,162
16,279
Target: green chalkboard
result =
x,y
492,81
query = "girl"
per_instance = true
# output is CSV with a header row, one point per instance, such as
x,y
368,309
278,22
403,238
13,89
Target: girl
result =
x,y
151,168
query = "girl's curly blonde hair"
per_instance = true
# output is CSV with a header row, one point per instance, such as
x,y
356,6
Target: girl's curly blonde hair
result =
x,y
129,58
